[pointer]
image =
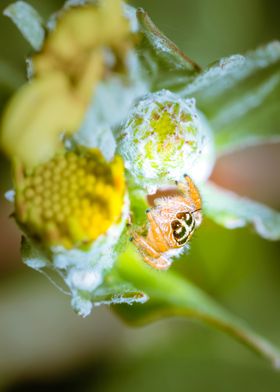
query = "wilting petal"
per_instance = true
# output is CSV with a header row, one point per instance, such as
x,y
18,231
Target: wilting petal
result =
x,y
36,116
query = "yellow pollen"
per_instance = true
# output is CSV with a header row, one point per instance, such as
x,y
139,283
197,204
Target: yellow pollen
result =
x,y
70,200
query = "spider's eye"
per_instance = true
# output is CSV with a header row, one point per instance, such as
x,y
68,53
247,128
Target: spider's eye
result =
x,y
186,216
181,215
176,225
189,219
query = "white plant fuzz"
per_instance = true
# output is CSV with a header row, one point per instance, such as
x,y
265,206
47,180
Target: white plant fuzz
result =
x,y
164,138
10,195
111,103
83,271
28,21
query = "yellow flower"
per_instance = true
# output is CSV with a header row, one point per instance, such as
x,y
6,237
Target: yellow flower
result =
x,y
77,47
71,199
35,117
73,60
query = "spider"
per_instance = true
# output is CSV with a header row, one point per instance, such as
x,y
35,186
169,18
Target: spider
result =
x,y
171,224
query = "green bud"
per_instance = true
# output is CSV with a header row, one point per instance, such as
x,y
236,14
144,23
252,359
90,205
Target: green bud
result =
x,y
164,138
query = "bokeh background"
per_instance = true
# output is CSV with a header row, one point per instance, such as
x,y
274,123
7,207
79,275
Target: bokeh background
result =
x,y
44,346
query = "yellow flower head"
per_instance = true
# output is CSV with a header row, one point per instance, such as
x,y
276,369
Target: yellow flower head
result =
x,y
71,199
87,44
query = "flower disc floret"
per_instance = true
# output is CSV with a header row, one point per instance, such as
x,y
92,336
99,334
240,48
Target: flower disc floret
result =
x,y
70,200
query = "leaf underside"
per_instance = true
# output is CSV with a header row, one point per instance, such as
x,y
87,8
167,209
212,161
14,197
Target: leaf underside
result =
x,y
164,65
28,21
233,211
240,96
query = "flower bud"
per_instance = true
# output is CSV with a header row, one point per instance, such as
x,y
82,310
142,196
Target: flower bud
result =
x,y
164,138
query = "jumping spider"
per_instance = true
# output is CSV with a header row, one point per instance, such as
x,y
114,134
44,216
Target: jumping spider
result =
x,y
171,224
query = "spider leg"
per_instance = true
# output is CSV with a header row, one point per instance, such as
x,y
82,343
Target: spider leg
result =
x,y
144,246
189,189
149,254
160,263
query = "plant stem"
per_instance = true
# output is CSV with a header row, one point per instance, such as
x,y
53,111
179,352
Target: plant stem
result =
x,y
172,295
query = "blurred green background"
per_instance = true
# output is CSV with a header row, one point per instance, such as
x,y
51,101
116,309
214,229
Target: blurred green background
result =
x,y
44,346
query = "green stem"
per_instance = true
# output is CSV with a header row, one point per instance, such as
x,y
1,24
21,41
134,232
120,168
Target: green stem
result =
x,y
171,295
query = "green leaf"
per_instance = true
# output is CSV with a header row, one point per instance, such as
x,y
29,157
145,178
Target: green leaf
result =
x,y
28,21
138,205
114,290
171,295
259,124
240,97
163,63
232,211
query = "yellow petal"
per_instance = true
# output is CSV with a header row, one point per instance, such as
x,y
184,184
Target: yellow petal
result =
x,y
115,26
77,30
36,117
92,73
